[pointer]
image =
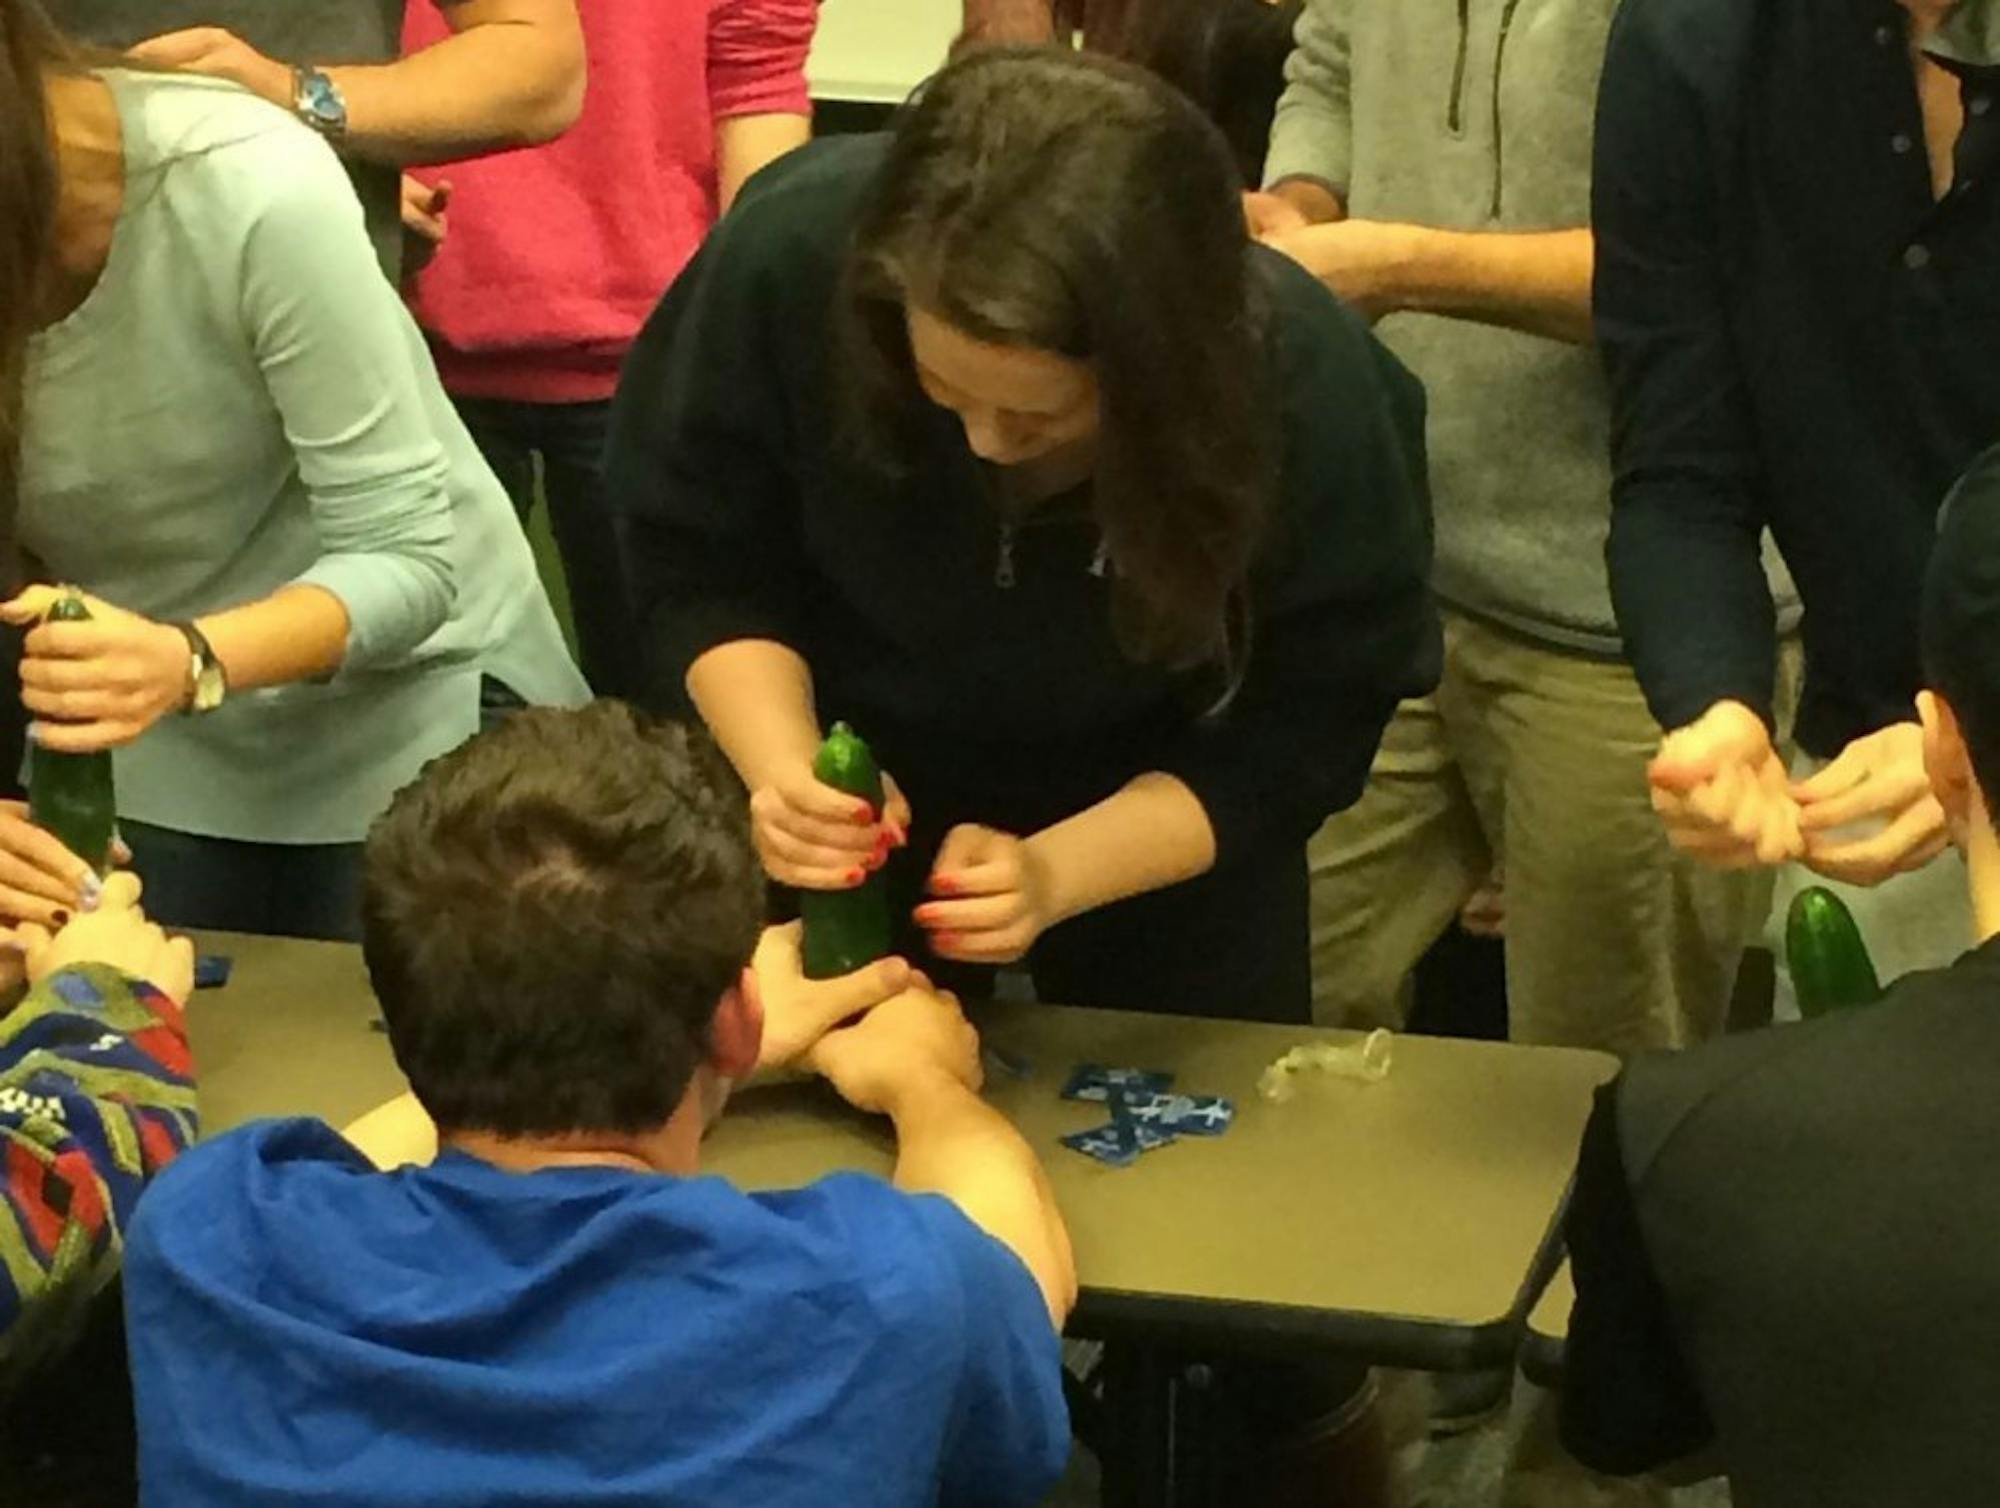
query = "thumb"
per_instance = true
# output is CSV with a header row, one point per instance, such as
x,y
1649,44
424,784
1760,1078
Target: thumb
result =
x,y
28,606
1690,757
121,891
964,846
867,988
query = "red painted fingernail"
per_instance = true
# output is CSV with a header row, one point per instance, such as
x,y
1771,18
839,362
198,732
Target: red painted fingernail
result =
x,y
925,916
61,918
942,884
856,876
867,817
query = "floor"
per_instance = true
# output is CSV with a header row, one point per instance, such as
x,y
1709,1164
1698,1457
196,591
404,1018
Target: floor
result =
x,y
1467,1471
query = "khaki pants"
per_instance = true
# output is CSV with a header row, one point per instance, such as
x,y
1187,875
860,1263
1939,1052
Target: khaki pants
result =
x,y
1530,761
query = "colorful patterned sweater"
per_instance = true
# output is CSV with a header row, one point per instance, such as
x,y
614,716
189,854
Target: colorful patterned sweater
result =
x,y
96,1096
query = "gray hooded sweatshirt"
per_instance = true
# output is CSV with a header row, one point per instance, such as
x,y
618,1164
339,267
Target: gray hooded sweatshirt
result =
x,y
1477,115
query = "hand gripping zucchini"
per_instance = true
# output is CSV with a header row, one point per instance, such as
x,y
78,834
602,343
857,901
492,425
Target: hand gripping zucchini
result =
x,y
72,795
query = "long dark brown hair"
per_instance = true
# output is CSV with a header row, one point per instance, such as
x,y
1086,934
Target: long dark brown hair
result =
x,y
1228,56
1060,202
28,192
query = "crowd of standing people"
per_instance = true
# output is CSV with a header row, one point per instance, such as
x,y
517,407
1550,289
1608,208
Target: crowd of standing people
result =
x,y
1266,481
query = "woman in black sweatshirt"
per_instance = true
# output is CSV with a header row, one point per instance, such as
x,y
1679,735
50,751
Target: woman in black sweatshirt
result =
x,y
996,438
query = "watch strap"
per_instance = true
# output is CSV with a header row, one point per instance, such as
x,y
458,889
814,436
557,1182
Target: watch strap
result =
x,y
208,682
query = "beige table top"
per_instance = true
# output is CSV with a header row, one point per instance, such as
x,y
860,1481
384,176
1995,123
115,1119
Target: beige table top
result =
x,y
1405,1217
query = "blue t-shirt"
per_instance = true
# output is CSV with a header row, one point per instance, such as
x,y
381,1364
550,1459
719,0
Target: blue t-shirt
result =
x,y
304,1329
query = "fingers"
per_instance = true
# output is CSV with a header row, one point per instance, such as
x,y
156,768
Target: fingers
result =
x,y
120,891
173,974
982,914
1690,757
1916,837
966,847
1840,776
38,849
73,641
29,906
838,840
85,738
853,994
176,48
813,798
29,606
896,815
1001,945
802,865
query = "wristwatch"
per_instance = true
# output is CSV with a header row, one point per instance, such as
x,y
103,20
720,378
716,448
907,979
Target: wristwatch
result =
x,y
317,101
208,682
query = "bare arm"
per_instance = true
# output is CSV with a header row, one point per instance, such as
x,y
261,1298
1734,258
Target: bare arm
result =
x,y
395,1134
510,75
298,633
756,695
745,143
1538,282
951,1142
757,85
1150,835
1534,281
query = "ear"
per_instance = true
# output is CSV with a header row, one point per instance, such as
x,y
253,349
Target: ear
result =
x,y
1948,764
736,1035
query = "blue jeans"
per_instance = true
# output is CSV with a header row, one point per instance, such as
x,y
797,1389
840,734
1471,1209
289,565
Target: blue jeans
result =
x,y
569,439
279,889
283,889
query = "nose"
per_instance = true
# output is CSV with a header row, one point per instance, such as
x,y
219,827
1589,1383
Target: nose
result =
x,y
990,436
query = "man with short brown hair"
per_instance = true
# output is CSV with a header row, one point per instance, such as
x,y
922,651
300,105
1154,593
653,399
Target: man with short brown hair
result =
x,y
559,922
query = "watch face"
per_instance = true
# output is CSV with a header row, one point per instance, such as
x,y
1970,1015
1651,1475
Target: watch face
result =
x,y
209,688
320,102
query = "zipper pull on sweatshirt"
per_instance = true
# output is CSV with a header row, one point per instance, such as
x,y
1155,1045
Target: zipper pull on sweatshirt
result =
x,y
1003,566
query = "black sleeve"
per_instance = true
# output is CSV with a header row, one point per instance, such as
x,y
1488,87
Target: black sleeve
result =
x,y
697,462
1629,1401
1687,517
1343,623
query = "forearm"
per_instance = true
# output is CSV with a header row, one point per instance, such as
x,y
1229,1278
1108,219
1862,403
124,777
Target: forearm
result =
x,y
756,696
746,143
503,84
1151,834
1693,603
395,1134
298,633
1534,281
950,1142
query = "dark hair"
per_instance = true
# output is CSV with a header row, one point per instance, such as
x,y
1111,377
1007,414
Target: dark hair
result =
x,y
28,197
1228,56
551,915
1040,198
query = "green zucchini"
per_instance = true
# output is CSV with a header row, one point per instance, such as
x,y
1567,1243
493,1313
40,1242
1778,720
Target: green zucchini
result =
x,y
72,795
1831,969
846,929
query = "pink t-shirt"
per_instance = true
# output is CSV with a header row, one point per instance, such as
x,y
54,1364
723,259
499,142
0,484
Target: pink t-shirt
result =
x,y
556,255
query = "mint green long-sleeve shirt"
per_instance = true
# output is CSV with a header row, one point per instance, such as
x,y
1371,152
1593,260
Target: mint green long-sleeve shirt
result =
x,y
242,403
